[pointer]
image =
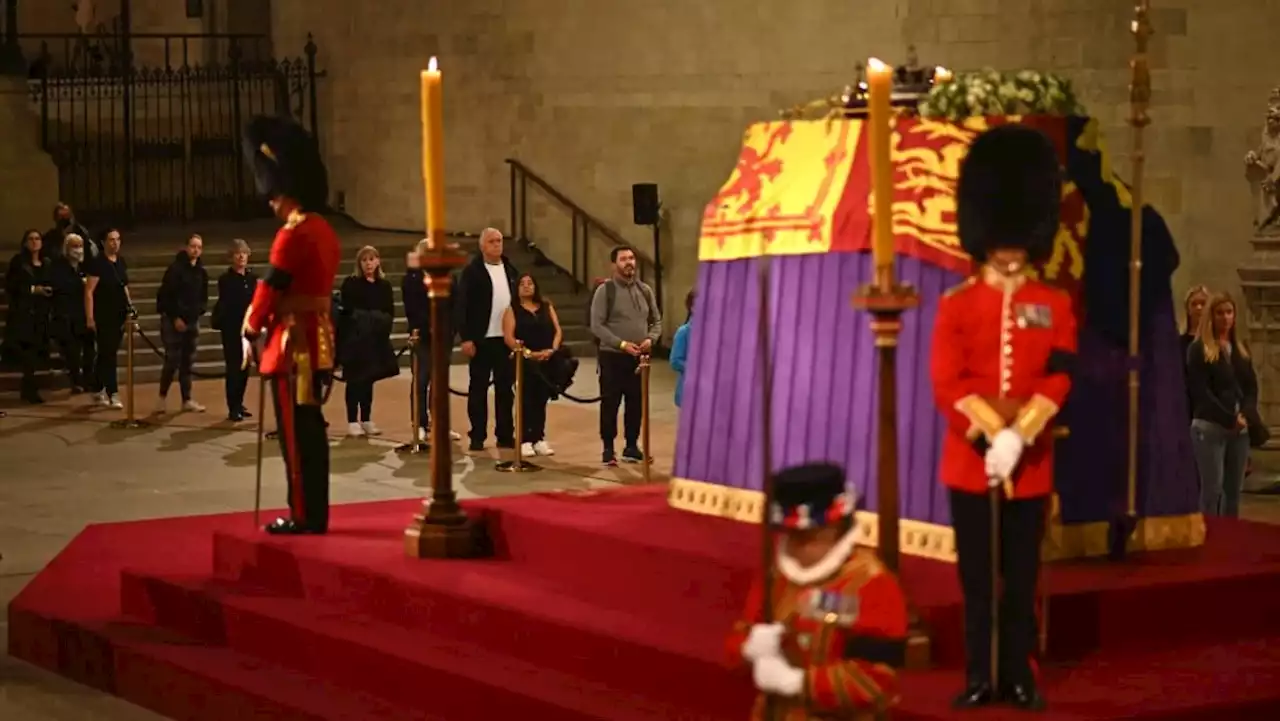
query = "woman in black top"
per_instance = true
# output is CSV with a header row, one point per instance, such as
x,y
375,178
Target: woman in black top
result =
x,y
30,289
235,293
107,305
532,322
75,342
1224,389
364,339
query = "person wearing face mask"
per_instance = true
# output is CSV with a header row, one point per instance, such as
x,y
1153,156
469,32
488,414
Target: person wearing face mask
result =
x,y
75,342
30,292
64,224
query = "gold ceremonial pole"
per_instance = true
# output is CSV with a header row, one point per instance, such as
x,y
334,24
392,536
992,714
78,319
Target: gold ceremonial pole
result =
x,y
768,549
643,370
519,465
1139,101
414,445
443,529
130,420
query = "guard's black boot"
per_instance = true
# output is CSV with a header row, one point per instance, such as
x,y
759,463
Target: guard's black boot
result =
x,y
287,527
1024,696
976,695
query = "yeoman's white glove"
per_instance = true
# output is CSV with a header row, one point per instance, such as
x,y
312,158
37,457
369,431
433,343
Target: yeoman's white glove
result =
x,y
774,675
1003,456
765,639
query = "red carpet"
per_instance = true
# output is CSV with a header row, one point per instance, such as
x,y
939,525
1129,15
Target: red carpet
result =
x,y
603,607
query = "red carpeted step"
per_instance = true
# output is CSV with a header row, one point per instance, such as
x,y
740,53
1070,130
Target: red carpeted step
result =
x,y
493,605
1225,682
655,561
185,680
409,667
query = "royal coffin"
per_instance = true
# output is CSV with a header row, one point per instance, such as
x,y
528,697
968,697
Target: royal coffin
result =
x,y
799,194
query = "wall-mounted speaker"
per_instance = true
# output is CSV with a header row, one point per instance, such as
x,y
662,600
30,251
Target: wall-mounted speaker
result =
x,y
644,203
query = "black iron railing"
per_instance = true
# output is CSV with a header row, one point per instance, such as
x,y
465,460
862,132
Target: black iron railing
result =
x,y
160,140
590,235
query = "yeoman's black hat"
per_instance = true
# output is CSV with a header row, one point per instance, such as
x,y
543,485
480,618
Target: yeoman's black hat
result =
x,y
810,496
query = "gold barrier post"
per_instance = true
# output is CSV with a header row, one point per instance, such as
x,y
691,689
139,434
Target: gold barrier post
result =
x,y
519,465
415,445
129,420
647,463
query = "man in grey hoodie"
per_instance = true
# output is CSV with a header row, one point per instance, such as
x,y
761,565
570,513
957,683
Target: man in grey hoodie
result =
x,y
626,322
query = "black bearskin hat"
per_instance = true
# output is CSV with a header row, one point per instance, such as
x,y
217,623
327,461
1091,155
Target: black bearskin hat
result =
x,y
286,161
1009,193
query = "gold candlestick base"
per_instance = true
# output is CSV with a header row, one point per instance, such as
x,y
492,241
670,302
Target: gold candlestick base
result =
x,y
130,424
413,448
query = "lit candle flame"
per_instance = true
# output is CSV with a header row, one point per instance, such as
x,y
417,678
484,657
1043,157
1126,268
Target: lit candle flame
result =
x,y
942,75
876,66
433,66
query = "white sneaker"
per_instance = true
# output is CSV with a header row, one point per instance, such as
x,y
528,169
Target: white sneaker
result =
x,y
526,449
355,430
422,435
162,406
370,429
192,407
114,402
455,436
542,448
100,399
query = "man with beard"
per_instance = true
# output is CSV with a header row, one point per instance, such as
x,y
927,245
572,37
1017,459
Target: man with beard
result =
x,y
292,307
626,323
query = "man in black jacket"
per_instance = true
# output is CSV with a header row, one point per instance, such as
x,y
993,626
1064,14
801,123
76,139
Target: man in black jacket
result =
x,y
487,287
417,312
182,300
64,224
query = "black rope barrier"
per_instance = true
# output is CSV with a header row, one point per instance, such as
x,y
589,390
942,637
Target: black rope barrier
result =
x,y
164,357
542,378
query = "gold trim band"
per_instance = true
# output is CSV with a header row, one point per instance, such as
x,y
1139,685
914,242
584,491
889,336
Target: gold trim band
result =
x,y
931,540
1034,417
981,415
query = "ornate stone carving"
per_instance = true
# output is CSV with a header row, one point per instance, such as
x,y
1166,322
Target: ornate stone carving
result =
x,y
1262,169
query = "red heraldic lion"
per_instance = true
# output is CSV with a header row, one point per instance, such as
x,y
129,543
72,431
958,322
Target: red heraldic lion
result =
x,y
841,629
292,307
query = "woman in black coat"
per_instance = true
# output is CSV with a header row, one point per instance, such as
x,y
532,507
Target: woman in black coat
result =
x,y
364,339
235,292
70,331
30,289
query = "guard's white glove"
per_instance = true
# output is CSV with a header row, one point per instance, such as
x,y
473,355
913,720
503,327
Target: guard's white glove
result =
x,y
774,675
1003,456
765,639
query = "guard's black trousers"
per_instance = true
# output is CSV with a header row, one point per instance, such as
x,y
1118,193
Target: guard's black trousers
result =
x,y
305,448
1021,529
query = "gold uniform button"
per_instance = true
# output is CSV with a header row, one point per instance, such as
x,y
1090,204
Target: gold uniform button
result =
x,y
1008,349
1006,386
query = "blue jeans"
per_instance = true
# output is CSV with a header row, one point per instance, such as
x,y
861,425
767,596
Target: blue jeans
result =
x,y
1221,454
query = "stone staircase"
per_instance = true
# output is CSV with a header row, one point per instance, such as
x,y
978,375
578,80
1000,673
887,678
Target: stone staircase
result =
x,y
150,252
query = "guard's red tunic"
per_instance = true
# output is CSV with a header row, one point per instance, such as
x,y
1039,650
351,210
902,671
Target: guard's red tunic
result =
x,y
843,633
293,302
998,337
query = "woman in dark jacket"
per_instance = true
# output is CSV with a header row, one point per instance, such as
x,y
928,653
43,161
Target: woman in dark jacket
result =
x,y
364,339
531,322
235,293
30,289
1225,419
182,301
75,342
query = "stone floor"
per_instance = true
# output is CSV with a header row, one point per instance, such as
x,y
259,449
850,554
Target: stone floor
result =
x,y
64,467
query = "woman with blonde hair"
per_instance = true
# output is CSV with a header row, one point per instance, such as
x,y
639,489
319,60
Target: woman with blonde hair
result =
x,y
1193,309
1224,416
364,338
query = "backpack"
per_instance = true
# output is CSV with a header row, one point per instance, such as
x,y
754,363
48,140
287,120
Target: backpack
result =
x,y
611,297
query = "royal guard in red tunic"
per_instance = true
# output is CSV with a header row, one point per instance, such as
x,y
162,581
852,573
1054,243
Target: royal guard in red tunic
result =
x,y
1004,345
841,629
291,308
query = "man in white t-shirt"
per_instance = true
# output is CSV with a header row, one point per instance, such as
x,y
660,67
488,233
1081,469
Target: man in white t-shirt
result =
x,y
487,286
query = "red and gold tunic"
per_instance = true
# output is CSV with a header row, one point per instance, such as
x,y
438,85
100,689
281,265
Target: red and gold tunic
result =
x,y
847,633
293,302
1000,337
